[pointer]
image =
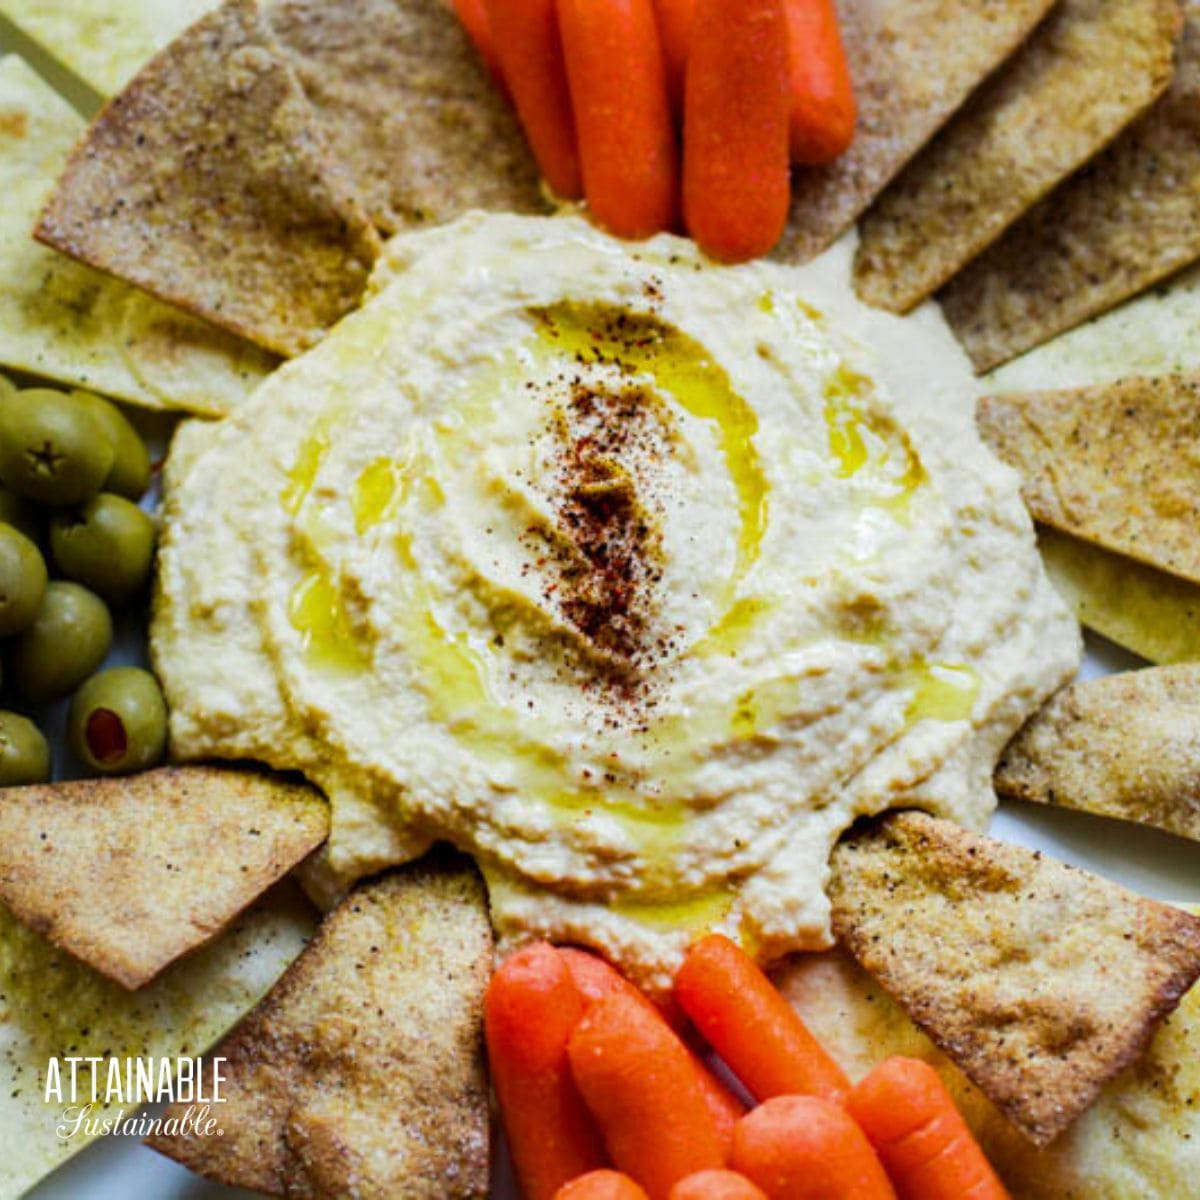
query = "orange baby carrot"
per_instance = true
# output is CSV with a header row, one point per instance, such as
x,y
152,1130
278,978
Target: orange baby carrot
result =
x,y
595,979
802,1148
823,110
736,178
716,1185
675,30
474,19
641,1085
751,1026
531,1009
526,36
623,114
601,1185
920,1136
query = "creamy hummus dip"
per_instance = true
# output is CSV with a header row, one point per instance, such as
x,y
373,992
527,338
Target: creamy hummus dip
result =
x,y
637,577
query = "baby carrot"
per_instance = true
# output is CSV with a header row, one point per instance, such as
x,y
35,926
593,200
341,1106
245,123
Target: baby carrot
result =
x,y
912,1121
601,1185
526,36
595,979
802,1148
751,1026
641,1085
531,1009
716,1185
474,19
675,29
823,109
736,178
623,114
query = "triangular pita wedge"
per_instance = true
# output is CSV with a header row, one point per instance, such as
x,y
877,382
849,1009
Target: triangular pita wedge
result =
x,y
1039,980
68,323
206,182
408,109
55,1006
129,873
1090,69
1125,746
362,1072
1139,1141
1149,612
913,63
1110,231
1115,465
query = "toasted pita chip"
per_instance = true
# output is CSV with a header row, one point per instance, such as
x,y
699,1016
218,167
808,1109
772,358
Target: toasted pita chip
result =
x,y
52,1005
68,323
1113,465
408,108
1140,1139
1041,981
206,183
1149,612
121,872
1045,114
1125,746
362,1072
913,62
1121,224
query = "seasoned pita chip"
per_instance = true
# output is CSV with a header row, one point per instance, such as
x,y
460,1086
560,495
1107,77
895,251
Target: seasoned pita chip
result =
x,y
1124,222
1092,67
1113,465
52,1005
122,872
913,62
362,1072
1141,1138
1125,746
70,324
410,111
1041,981
206,183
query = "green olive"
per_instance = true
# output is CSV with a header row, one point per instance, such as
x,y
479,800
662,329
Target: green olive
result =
x,y
130,474
24,753
67,641
53,449
107,545
118,721
22,580
7,388
20,513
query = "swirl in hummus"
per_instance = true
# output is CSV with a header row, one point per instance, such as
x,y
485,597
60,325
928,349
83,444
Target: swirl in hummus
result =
x,y
637,577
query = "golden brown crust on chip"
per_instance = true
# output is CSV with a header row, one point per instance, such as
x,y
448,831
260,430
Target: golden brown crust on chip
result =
x,y
1115,464
913,62
1090,69
1125,746
1127,220
206,183
361,1074
122,872
1039,980
408,109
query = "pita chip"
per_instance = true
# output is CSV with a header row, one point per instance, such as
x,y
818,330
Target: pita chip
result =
x,y
913,63
121,872
408,108
65,322
362,1072
1141,1138
1040,981
1049,110
1124,746
206,183
1114,465
53,1006
1112,230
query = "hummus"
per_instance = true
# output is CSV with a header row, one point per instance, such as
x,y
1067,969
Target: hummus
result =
x,y
637,577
